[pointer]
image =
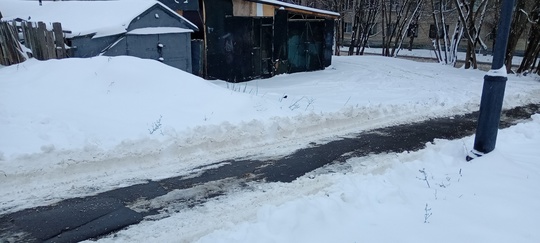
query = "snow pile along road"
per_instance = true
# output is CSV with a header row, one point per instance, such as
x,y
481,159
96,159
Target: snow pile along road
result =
x,y
431,195
76,127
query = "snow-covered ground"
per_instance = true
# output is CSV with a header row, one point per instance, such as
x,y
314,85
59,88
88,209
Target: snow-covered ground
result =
x,y
424,53
381,198
78,127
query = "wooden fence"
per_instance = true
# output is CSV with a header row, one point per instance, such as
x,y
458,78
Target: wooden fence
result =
x,y
11,51
44,44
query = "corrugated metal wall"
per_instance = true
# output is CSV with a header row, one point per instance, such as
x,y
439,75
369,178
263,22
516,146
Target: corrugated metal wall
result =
x,y
305,45
216,35
245,48
248,48
281,57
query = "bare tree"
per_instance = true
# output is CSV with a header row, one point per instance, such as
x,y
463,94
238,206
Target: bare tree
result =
x,y
338,6
412,32
397,17
472,14
413,10
444,43
520,22
532,51
365,15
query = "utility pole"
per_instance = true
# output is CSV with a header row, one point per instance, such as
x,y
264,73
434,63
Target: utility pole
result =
x,y
493,90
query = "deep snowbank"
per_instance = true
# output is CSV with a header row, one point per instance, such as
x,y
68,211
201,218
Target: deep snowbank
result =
x,y
89,125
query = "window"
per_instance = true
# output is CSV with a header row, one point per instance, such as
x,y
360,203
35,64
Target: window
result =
x,y
412,31
493,34
350,4
433,32
395,5
373,28
446,4
390,29
348,27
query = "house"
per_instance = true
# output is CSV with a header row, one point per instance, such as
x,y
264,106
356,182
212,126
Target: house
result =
x,y
247,39
140,28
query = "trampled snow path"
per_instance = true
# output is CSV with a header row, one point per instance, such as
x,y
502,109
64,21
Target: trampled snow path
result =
x,y
431,195
82,218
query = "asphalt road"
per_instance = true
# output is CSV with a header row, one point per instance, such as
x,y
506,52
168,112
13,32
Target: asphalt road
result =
x,y
78,219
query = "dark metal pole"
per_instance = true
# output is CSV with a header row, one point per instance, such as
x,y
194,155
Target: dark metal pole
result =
x,y
493,90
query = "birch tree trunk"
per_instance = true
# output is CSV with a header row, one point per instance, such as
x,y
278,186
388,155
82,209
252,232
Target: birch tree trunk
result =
x,y
394,30
471,28
520,22
411,15
532,51
435,41
367,25
386,18
355,28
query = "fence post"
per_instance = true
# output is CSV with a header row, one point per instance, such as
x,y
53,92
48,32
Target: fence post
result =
x,y
42,40
10,49
27,32
59,40
3,47
44,44
49,44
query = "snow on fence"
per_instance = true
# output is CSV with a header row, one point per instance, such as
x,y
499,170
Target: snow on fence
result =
x,y
11,51
40,43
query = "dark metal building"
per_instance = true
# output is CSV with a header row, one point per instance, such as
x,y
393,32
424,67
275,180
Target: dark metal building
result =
x,y
247,39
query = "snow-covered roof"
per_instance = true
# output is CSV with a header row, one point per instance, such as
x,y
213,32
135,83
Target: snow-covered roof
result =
x,y
158,30
296,7
103,18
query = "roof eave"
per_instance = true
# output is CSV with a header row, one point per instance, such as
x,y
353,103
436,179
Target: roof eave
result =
x,y
301,9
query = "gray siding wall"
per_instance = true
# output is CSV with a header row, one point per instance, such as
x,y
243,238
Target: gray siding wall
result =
x,y
165,19
119,49
177,46
176,51
85,46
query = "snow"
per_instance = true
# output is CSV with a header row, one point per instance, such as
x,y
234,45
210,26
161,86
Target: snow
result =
x,y
492,199
104,18
380,198
501,72
159,30
480,57
77,127
295,6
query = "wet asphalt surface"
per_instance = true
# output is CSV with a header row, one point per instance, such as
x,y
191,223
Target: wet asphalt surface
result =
x,y
78,219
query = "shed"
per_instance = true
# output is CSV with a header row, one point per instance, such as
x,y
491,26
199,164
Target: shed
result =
x,y
248,39
141,28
